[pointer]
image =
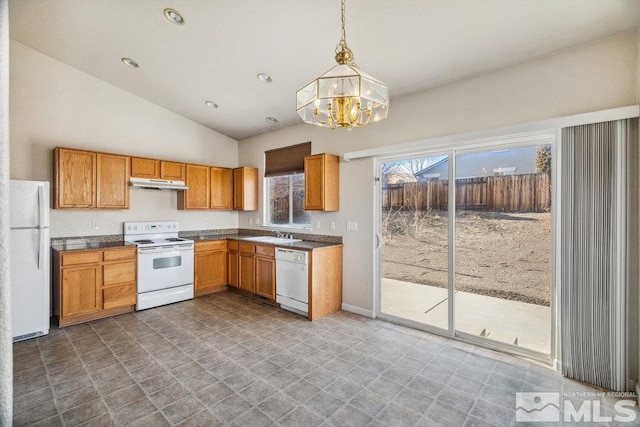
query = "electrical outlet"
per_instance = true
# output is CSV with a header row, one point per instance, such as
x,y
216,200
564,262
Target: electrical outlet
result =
x,y
250,221
94,225
317,225
352,226
206,221
257,221
332,225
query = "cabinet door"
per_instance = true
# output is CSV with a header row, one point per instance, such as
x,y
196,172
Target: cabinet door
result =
x,y
75,179
247,273
221,188
210,270
113,181
313,182
145,168
322,182
198,194
172,170
232,268
245,189
81,291
266,277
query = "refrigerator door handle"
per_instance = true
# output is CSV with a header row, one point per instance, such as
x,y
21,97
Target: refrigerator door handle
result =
x,y
42,249
41,210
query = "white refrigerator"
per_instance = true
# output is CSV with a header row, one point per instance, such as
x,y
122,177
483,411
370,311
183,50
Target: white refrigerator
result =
x,y
30,259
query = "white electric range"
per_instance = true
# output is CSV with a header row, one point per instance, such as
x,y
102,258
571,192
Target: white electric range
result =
x,y
165,262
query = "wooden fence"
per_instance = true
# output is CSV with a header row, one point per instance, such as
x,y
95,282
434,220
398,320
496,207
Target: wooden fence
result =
x,y
511,193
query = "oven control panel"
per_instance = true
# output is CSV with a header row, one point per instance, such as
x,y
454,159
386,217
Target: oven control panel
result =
x,y
150,227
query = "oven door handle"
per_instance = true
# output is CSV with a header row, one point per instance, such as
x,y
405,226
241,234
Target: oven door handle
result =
x,y
187,247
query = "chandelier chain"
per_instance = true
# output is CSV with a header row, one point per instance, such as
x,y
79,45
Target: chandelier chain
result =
x,y
344,55
343,40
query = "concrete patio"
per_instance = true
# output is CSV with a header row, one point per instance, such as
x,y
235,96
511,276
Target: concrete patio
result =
x,y
501,320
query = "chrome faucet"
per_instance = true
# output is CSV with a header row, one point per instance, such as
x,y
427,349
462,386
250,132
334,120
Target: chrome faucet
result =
x,y
279,234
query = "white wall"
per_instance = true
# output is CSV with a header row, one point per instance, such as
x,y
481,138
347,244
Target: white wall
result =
x,y
588,78
52,104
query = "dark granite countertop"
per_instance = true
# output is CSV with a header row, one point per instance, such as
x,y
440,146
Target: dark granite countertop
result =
x,y
115,241
86,245
304,245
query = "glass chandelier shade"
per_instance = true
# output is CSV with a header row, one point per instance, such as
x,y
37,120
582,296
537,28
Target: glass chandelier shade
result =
x,y
344,96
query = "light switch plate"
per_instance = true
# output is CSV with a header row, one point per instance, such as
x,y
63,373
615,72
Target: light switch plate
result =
x,y
352,226
332,225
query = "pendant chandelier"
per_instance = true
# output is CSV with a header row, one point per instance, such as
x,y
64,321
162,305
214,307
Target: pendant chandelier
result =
x,y
343,96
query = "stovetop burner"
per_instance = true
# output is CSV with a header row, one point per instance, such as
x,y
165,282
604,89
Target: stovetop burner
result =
x,y
144,242
174,239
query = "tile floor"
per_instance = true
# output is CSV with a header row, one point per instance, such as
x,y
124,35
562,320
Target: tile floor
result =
x,y
226,359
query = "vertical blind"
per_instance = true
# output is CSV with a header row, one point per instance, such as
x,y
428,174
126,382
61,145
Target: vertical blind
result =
x,y
286,160
593,255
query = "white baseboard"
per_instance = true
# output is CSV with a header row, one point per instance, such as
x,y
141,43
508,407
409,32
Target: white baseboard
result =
x,y
358,310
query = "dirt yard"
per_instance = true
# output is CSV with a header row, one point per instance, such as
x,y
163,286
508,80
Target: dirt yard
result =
x,y
504,255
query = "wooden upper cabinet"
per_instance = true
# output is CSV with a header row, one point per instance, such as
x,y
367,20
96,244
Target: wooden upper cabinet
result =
x,y
198,194
221,188
321,182
112,181
173,171
161,169
245,189
75,178
145,168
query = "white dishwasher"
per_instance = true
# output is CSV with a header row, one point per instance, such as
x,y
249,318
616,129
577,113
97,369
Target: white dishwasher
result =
x,y
292,280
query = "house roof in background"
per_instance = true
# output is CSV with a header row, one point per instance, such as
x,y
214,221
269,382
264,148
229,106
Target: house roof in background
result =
x,y
411,45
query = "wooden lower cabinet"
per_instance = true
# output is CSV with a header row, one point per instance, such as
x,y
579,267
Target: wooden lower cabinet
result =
x,y
266,277
82,288
246,267
210,267
252,268
89,285
325,281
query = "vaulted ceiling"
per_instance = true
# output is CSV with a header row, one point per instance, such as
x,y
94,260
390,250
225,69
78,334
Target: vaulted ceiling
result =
x,y
411,45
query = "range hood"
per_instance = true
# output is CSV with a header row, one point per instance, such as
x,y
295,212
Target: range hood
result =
x,y
158,184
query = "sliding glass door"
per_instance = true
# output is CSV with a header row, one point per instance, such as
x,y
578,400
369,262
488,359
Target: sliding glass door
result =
x,y
415,243
474,261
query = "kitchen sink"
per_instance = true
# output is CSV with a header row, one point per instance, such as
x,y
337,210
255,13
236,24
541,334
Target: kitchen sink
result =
x,y
272,239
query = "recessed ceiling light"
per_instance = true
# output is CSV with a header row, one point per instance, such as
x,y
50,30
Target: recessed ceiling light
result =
x,y
271,120
211,104
174,16
130,63
264,78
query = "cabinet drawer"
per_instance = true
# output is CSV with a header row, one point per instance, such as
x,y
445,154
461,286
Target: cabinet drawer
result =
x,y
77,258
233,245
247,248
214,245
118,273
119,296
266,250
119,254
